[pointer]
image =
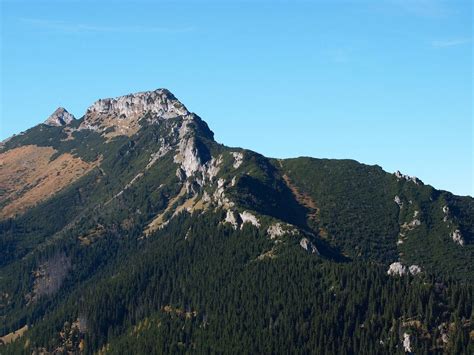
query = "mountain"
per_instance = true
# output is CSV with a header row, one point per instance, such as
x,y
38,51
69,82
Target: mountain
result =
x,y
60,117
131,230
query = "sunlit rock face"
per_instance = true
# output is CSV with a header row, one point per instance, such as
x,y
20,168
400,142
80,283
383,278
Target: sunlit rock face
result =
x,y
397,268
457,237
60,117
407,343
121,115
232,219
248,217
307,245
413,179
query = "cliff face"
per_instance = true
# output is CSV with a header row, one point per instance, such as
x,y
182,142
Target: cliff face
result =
x,y
121,115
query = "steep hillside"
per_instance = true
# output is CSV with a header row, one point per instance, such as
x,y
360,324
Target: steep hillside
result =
x,y
368,213
132,230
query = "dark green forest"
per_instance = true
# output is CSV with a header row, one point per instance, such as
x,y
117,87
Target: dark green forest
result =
x,y
210,293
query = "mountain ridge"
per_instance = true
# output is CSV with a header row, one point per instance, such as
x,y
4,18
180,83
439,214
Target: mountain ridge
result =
x,y
154,181
185,135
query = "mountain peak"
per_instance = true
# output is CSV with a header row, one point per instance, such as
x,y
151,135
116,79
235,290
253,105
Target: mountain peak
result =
x,y
121,114
60,117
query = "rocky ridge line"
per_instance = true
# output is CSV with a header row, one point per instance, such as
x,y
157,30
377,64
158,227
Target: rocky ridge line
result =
x,y
121,115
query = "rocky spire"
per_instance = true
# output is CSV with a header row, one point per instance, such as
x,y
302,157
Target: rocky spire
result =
x,y
60,117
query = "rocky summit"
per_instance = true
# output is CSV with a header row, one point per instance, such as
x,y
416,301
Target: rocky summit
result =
x,y
60,117
131,230
121,115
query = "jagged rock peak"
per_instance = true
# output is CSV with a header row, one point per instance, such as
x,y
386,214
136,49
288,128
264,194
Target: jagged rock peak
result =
x,y
123,113
160,101
413,179
60,117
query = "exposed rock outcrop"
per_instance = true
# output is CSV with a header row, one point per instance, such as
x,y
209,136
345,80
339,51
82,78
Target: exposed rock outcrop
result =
x,y
407,343
275,231
457,237
307,245
213,167
401,176
195,162
248,217
232,219
238,159
446,213
240,219
398,201
59,118
278,230
219,197
121,115
398,269
188,154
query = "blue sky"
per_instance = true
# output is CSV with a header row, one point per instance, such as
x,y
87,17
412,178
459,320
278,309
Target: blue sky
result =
x,y
383,82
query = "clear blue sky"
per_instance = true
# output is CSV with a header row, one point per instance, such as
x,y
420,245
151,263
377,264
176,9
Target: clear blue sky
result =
x,y
383,82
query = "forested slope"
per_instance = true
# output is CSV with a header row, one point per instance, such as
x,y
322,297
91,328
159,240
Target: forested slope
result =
x,y
171,242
